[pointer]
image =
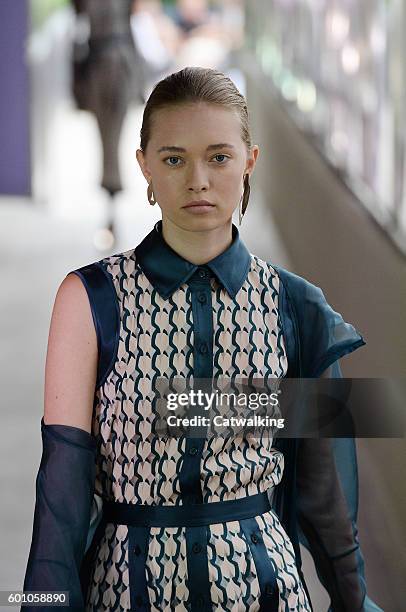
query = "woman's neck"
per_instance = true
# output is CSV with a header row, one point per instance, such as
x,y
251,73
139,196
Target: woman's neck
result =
x,y
197,247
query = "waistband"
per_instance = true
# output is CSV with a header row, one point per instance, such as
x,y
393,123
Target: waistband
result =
x,y
188,515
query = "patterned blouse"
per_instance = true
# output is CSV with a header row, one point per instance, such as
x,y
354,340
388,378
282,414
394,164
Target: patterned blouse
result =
x,y
177,319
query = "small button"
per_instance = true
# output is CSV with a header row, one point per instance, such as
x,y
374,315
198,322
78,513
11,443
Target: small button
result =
x,y
254,538
269,589
203,348
202,297
199,601
197,547
193,450
203,273
137,550
139,601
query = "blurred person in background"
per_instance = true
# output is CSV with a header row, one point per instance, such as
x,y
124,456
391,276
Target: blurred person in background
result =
x,y
156,35
209,31
230,15
191,14
170,37
108,74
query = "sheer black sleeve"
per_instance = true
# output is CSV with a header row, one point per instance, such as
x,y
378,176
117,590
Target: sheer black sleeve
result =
x,y
64,495
327,504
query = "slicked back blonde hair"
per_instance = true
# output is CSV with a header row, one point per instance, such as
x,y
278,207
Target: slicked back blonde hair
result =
x,y
195,84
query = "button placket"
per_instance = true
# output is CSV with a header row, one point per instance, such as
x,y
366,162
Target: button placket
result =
x,y
197,547
200,287
190,486
203,348
265,571
138,538
269,589
203,273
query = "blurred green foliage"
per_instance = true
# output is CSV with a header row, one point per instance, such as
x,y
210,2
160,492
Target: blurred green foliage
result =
x,y
42,9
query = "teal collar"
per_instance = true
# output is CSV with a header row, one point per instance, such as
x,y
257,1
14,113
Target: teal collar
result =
x,y
166,270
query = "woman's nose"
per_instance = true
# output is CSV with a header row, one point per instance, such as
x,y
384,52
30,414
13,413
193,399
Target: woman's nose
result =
x,y
197,179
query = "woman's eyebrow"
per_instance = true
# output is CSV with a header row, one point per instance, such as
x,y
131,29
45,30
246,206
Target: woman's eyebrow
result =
x,y
173,149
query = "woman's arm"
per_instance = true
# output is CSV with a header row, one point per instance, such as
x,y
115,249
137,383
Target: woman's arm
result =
x,y
71,362
326,516
66,475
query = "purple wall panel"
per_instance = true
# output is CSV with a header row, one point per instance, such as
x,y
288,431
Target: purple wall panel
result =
x,y
14,99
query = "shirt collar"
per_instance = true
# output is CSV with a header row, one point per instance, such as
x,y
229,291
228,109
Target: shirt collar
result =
x,y
166,270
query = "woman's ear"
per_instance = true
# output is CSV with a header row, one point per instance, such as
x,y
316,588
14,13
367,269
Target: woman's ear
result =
x,y
143,165
252,159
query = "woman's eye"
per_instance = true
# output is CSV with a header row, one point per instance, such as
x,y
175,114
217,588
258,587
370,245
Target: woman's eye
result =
x,y
221,155
171,158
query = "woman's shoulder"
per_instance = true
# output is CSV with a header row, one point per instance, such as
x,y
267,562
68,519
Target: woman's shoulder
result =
x,y
113,267
116,261
324,334
295,286
106,282
262,266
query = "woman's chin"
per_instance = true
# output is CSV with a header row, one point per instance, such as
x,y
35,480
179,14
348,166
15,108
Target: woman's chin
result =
x,y
199,222
205,223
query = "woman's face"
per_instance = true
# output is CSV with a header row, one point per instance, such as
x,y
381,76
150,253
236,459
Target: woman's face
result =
x,y
196,152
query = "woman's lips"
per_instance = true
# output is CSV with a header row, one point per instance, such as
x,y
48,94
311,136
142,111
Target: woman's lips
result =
x,y
198,207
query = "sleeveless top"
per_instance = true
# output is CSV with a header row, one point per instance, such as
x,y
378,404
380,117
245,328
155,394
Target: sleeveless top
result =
x,y
175,319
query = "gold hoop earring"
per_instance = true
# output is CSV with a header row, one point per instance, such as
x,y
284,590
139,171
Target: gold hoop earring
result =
x,y
242,207
150,195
